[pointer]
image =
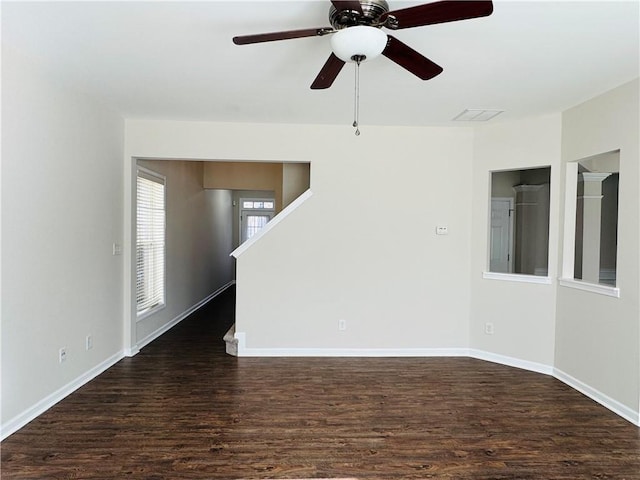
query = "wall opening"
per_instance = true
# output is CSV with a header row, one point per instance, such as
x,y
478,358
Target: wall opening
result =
x,y
519,221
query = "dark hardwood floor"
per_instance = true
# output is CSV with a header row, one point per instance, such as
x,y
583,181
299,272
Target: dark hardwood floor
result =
x,y
183,409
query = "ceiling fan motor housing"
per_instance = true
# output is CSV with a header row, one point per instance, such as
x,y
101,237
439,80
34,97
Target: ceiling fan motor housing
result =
x,y
371,12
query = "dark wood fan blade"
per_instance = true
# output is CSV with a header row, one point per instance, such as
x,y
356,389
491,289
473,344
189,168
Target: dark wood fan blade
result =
x,y
437,12
347,5
328,74
271,37
409,59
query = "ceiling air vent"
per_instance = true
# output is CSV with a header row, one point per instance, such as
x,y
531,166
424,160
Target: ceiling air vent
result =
x,y
477,115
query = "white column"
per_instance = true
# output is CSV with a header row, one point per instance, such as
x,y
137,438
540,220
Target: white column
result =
x,y
591,218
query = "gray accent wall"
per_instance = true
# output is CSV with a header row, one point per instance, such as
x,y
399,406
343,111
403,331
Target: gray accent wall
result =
x,y
598,337
198,241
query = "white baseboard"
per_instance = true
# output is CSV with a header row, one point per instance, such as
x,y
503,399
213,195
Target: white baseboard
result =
x,y
169,325
43,405
511,361
131,352
19,421
244,351
597,396
31,413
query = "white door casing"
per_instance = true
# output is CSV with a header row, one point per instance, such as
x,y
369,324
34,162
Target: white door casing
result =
x,y
254,214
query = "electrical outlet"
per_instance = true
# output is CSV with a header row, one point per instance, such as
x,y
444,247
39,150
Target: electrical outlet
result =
x,y
62,355
488,328
342,324
88,344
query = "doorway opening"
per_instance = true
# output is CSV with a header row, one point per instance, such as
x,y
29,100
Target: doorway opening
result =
x,y
202,227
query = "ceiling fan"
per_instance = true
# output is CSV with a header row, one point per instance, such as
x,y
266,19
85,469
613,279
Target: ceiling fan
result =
x,y
357,35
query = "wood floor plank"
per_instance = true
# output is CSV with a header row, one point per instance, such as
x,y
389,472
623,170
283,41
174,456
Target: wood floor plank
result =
x,y
182,408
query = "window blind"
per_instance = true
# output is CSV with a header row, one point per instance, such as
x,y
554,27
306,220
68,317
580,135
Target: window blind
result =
x,y
150,241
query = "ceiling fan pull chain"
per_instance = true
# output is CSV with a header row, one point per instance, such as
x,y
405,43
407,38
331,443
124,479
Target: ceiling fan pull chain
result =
x,y
356,104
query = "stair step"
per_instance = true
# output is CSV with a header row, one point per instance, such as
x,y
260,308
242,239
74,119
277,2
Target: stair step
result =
x,y
231,341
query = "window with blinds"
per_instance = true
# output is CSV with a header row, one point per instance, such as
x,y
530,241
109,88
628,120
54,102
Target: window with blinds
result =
x,y
150,241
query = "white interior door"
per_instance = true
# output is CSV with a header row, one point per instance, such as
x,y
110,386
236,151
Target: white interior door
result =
x,y
501,243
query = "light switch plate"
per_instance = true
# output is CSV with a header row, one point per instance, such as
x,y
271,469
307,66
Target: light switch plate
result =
x,y
442,230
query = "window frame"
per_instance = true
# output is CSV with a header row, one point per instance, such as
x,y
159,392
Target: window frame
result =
x,y
153,176
487,274
567,278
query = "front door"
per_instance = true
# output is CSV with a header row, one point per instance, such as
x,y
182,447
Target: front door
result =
x,y
254,214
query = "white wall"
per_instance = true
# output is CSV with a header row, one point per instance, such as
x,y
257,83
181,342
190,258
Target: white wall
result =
x,y
198,242
598,337
523,314
62,192
363,248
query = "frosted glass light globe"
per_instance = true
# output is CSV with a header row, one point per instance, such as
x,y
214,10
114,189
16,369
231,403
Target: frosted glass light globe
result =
x,y
360,40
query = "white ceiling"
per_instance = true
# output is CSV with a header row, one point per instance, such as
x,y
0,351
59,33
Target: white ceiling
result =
x,y
176,60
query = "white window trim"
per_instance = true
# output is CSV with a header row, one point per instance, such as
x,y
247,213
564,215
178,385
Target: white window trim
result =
x,y
254,199
590,287
151,311
517,277
569,239
156,308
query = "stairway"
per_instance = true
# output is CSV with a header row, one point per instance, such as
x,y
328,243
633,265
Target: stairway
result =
x,y
231,341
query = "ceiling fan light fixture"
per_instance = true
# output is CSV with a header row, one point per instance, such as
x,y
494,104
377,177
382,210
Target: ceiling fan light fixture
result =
x,y
353,43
